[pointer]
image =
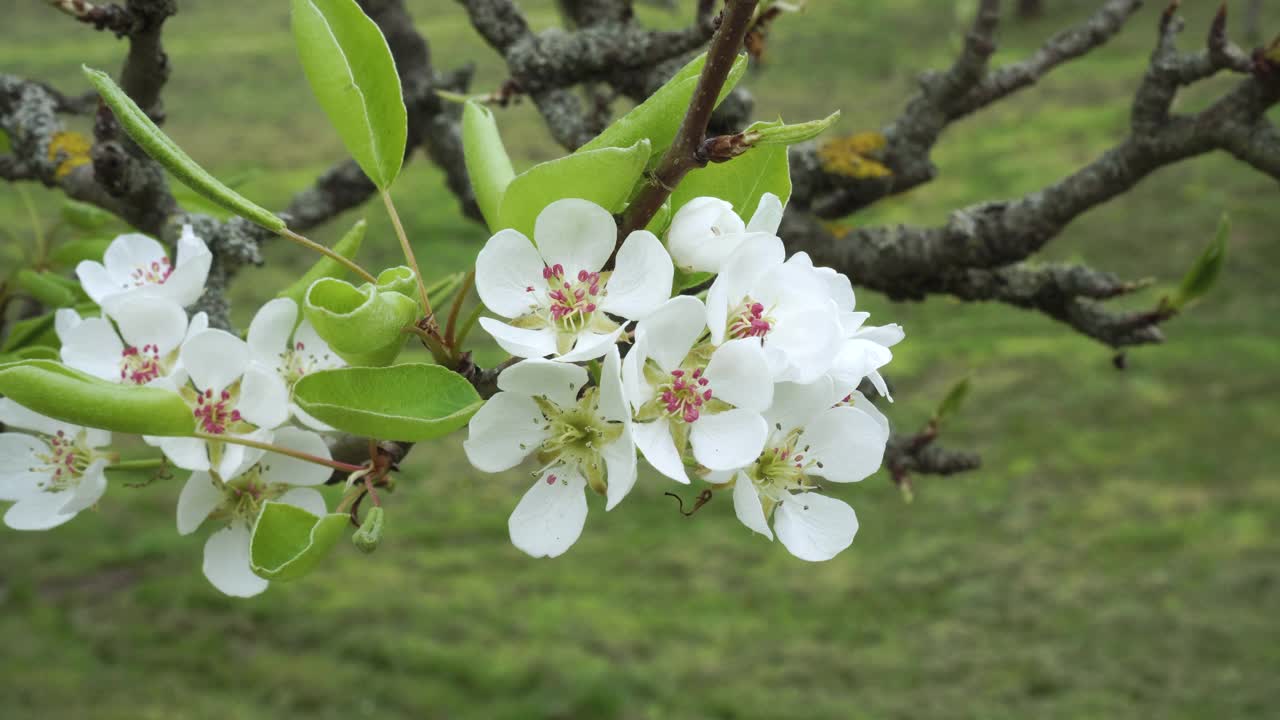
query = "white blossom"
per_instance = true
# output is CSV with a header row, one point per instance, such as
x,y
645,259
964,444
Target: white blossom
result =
x,y
581,439
705,231
792,309
140,347
556,296
237,502
136,265
275,345
228,394
812,434
50,472
690,393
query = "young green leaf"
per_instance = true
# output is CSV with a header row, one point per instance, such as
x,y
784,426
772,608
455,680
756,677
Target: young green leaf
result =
x,y
352,73
403,402
164,151
364,326
327,267
84,215
605,176
31,331
741,181
1204,273
369,536
53,389
70,254
399,279
486,157
288,542
658,118
779,133
42,287
955,398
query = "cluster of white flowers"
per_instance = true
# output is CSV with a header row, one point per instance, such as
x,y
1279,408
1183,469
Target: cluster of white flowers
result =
x,y
52,470
753,388
750,386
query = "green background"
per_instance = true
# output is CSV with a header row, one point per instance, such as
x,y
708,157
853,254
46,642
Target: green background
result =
x,y
1114,557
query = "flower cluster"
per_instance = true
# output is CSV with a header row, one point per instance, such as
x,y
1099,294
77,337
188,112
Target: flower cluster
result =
x,y
237,390
752,389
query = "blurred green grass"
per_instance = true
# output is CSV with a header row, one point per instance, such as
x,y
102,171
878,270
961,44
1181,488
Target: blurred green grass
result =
x,y
1114,557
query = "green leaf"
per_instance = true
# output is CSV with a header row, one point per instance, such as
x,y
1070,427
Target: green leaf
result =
x,y
363,325
85,216
1204,273
403,402
42,287
779,133
288,542
486,157
53,389
5,146
684,280
353,75
369,536
70,254
28,332
399,279
955,398
164,151
605,177
741,181
658,118
327,267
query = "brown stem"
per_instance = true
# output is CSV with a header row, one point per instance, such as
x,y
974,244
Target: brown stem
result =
x,y
683,154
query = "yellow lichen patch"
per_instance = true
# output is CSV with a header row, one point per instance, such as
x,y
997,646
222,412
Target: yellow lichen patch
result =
x,y
70,150
838,230
854,155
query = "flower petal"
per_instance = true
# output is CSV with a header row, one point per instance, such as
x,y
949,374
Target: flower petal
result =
x,y
556,381
753,258
264,398
814,527
634,385
151,321
93,347
97,282
226,562
214,359
590,346
89,490
316,353
806,339
795,404
186,453
613,401
886,335
185,284
519,341
506,269
747,506
270,330
847,443
577,234
550,517
237,459
656,444
19,453
642,279
131,252
739,374
504,431
64,320
703,233
38,511
280,469
620,461
670,331
200,496
768,215
306,498
728,440
861,402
